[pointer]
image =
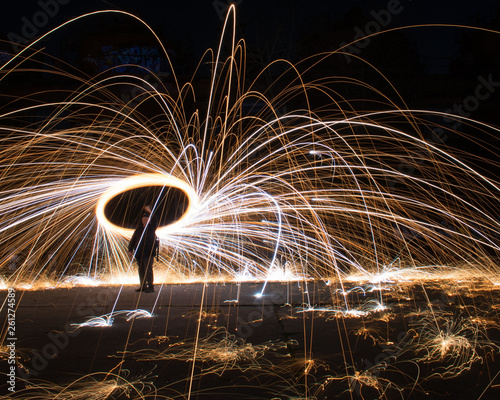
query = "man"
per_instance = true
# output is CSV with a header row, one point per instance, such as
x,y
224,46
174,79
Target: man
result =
x,y
142,246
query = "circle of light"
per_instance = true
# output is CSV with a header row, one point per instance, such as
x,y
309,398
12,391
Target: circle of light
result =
x,y
143,180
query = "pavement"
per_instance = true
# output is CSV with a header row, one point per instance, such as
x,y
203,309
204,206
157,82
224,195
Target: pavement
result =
x,y
296,340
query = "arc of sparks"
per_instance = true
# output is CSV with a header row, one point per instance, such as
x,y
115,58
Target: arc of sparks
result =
x,y
144,180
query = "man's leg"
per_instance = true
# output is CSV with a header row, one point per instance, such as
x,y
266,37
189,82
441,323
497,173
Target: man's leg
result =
x,y
148,278
142,273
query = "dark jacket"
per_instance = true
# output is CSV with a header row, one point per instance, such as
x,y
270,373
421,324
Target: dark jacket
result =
x,y
143,241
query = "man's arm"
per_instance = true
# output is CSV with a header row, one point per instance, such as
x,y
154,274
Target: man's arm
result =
x,y
133,241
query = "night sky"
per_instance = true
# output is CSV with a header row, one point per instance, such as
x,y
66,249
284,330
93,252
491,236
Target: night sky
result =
x,y
271,23
433,68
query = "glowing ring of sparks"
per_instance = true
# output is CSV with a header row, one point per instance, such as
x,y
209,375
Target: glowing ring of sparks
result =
x,y
144,180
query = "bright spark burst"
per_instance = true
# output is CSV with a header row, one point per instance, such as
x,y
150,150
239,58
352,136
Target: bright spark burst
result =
x,y
308,188
294,192
452,341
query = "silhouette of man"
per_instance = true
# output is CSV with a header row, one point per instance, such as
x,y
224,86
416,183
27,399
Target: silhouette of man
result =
x,y
142,246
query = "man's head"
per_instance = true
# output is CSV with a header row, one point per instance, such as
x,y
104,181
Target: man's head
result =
x,y
146,214
149,218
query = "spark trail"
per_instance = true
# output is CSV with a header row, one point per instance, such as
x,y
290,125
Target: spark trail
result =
x,y
311,194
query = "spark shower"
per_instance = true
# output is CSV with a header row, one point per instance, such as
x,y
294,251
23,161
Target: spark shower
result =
x,y
291,180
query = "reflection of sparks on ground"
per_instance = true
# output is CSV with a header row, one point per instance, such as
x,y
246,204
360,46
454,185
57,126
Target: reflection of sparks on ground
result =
x,y
431,348
303,196
359,380
452,341
220,350
4,352
98,386
107,320
371,306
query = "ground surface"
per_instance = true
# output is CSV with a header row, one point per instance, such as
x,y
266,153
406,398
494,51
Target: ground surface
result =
x,y
431,341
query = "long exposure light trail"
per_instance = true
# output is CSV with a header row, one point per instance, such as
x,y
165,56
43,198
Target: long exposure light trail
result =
x,y
304,190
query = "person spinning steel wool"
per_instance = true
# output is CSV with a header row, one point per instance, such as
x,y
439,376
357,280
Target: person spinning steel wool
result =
x,y
143,247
